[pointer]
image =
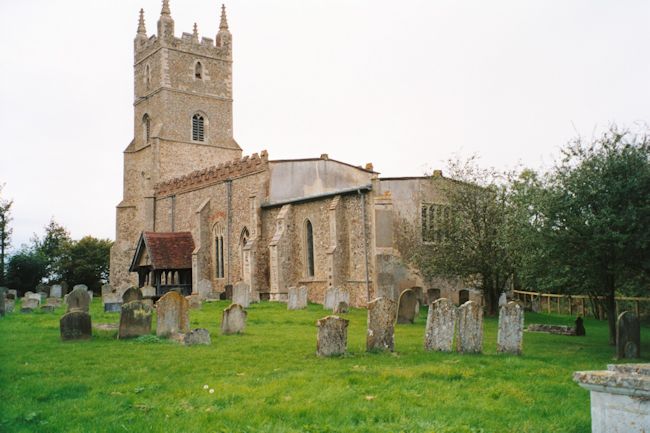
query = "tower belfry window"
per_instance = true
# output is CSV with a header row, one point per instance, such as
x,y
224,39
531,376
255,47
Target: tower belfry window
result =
x,y
146,122
198,128
198,71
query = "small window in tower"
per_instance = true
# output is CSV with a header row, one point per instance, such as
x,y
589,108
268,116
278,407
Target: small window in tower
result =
x,y
198,71
198,128
146,123
147,77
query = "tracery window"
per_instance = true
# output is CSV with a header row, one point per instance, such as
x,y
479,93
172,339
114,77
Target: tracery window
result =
x,y
198,127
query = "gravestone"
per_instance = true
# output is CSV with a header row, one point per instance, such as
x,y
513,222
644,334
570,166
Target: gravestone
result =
x,y
131,294
342,308
48,308
40,287
78,300
135,319
80,286
470,328
43,296
56,291
199,336
330,301
194,301
332,336
580,327
173,314
55,302
9,306
148,291
204,288
3,300
511,329
503,299
233,320
34,296
381,324
111,299
13,292
297,298
441,324
75,325
628,336
407,304
241,294
28,305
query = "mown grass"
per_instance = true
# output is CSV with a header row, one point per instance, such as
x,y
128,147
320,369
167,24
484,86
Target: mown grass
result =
x,y
269,379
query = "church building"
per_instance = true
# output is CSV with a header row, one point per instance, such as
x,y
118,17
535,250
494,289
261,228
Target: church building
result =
x,y
197,213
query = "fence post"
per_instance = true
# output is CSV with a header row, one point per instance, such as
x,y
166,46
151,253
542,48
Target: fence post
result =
x,y
582,302
570,306
548,304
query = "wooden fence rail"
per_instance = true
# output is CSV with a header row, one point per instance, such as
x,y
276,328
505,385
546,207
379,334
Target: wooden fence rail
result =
x,y
577,303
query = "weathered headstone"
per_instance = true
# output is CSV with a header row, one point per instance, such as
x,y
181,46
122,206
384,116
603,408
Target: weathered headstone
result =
x,y
241,294
470,328
78,299
233,320
297,298
406,310
580,327
80,286
148,291
56,291
381,324
342,308
34,296
111,299
511,329
503,300
135,319
194,301
197,336
173,314
330,300
131,294
628,336
75,325
204,289
332,336
441,323
28,305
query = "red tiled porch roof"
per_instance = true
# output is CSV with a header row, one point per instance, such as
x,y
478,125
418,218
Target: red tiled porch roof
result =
x,y
166,250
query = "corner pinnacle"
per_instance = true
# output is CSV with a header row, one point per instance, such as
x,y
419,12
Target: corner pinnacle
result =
x,y
224,21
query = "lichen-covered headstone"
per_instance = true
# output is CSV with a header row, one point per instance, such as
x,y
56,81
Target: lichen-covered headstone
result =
x,y
241,294
470,328
332,336
233,320
441,324
406,310
510,335
297,298
75,325
199,336
381,324
78,300
135,319
132,294
173,314
56,291
628,336
204,289
28,305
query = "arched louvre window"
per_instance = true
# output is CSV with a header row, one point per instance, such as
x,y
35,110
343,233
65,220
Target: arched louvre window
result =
x,y
198,128
146,123
309,237
218,252
198,71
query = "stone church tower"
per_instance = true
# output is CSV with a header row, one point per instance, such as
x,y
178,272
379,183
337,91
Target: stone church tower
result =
x,y
182,122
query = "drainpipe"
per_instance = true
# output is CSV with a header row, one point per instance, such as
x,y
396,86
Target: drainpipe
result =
x,y
173,213
228,225
365,243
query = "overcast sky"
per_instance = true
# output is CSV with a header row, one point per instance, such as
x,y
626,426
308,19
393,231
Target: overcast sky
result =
x,y
402,84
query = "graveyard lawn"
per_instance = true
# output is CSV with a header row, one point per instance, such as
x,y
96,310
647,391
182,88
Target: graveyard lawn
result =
x,y
270,380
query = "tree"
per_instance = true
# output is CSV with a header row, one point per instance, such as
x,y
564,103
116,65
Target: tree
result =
x,y
53,247
5,233
26,269
470,237
588,220
86,261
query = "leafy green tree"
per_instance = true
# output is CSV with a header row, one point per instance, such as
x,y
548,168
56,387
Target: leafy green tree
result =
x,y
86,261
53,247
25,269
5,233
588,221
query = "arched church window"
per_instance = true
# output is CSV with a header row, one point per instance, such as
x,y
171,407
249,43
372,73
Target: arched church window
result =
x,y
146,125
218,252
198,127
309,244
198,71
243,240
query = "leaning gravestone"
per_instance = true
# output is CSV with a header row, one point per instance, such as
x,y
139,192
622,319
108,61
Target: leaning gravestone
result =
x,y
381,324
628,336
131,294
199,336
332,336
78,299
56,291
204,287
233,320
470,328
407,304
441,323
135,319
28,305
297,298
511,329
241,294
75,325
173,314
